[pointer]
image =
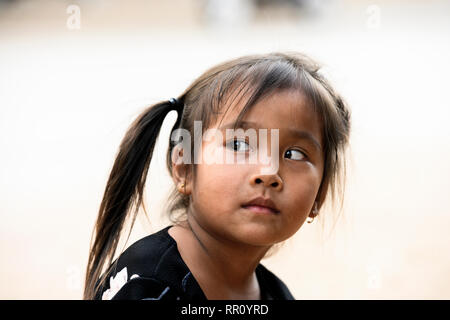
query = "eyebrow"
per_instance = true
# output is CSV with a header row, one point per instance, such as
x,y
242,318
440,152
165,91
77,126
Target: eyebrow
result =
x,y
300,134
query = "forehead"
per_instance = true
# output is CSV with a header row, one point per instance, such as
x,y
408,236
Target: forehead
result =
x,y
283,110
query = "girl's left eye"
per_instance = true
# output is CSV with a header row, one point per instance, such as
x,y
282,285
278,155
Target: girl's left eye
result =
x,y
238,143
297,154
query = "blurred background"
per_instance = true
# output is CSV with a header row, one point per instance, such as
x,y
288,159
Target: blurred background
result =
x,y
74,75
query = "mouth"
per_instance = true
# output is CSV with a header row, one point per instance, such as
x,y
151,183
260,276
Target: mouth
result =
x,y
261,205
260,209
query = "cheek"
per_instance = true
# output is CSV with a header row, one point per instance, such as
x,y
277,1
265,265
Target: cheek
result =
x,y
302,193
218,181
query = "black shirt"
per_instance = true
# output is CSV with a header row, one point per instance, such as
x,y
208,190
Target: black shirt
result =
x,y
152,269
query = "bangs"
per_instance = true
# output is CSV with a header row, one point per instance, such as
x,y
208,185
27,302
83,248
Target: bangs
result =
x,y
249,84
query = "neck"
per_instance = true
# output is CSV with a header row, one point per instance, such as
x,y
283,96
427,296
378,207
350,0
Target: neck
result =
x,y
223,268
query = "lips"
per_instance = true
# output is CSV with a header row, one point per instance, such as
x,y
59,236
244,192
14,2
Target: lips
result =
x,y
263,205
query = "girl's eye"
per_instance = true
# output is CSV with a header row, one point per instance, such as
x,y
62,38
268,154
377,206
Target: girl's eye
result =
x,y
296,154
237,145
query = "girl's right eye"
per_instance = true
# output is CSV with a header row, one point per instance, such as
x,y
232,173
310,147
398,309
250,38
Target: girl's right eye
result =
x,y
238,143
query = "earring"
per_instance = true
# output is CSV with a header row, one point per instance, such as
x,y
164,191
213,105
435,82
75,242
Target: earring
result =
x,y
314,212
182,186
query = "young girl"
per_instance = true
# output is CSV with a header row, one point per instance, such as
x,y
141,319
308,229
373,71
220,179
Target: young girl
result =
x,y
231,213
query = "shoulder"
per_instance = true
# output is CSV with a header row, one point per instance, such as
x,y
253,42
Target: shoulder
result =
x,y
273,286
134,275
143,256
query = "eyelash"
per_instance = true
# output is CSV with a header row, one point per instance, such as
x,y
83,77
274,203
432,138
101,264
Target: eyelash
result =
x,y
303,154
234,140
240,140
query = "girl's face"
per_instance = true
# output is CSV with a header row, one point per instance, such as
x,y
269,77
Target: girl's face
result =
x,y
220,190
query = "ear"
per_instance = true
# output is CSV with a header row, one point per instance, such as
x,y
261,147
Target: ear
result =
x,y
181,171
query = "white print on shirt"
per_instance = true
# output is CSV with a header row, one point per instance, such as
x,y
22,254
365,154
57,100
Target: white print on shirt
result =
x,y
116,283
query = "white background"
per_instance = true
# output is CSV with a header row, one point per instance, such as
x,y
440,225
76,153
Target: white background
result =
x,y
68,95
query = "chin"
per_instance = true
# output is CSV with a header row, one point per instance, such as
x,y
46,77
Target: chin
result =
x,y
259,236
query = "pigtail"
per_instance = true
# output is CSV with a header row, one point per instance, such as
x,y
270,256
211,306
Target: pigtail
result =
x,y
124,189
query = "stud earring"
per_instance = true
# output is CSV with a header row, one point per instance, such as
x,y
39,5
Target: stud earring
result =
x,y
182,186
315,212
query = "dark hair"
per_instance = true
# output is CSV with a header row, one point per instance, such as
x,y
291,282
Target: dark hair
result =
x,y
255,77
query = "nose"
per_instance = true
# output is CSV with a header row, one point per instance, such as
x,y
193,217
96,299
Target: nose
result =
x,y
269,180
